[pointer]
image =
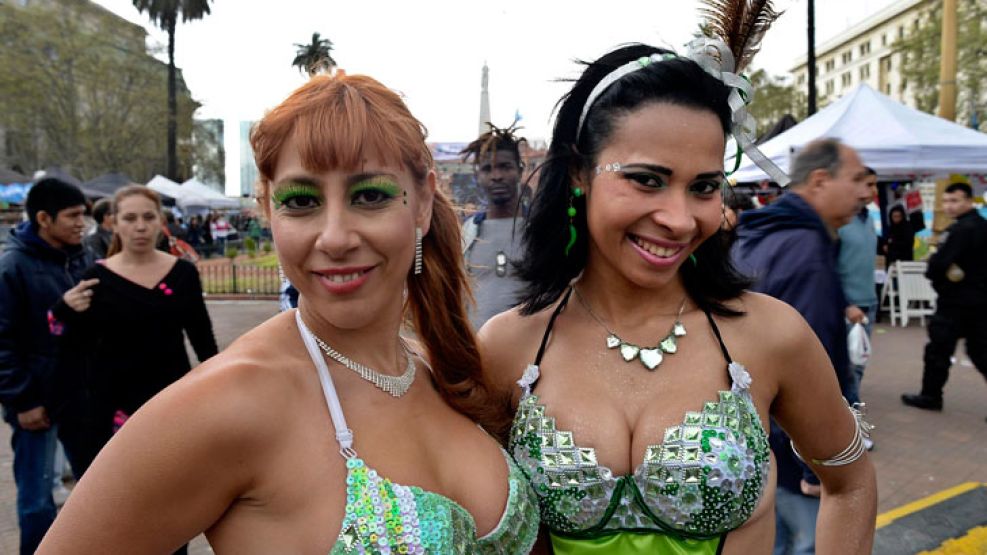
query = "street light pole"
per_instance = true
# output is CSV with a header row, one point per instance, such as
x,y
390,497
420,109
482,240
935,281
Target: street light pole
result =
x,y
811,58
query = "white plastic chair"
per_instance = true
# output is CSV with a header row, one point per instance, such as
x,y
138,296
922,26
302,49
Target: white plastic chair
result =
x,y
916,297
889,294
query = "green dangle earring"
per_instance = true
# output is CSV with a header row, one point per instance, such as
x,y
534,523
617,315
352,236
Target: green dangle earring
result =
x,y
576,193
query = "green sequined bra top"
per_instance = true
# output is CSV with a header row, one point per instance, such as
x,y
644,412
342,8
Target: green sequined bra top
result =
x,y
702,480
383,517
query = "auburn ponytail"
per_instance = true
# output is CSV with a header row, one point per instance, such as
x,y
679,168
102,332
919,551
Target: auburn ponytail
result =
x,y
437,298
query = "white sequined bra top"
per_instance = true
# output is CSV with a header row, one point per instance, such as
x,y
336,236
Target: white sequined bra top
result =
x,y
383,517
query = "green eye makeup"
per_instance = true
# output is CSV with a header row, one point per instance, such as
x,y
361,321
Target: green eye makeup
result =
x,y
292,190
381,183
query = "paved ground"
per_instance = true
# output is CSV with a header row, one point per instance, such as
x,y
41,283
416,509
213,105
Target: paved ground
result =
x,y
918,454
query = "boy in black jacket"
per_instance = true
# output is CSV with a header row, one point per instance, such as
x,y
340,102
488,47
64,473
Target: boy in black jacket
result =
x,y
44,258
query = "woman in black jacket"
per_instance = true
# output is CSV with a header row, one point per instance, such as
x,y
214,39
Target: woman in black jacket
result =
x,y
128,317
900,237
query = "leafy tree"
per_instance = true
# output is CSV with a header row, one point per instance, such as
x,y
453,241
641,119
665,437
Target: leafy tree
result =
x,y
314,57
207,152
773,98
165,14
919,50
78,92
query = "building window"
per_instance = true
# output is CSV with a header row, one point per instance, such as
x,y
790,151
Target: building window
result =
x,y
830,87
901,32
884,40
847,57
801,80
846,79
830,65
865,72
865,48
887,89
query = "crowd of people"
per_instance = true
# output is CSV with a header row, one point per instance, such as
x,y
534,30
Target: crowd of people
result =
x,y
653,364
210,234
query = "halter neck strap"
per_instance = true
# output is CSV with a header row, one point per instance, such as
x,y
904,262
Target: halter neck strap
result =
x,y
343,434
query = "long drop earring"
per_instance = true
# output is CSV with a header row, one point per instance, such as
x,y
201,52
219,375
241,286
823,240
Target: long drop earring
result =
x,y
418,251
576,193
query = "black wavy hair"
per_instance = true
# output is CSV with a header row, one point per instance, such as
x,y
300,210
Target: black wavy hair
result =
x,y
495,139
545,267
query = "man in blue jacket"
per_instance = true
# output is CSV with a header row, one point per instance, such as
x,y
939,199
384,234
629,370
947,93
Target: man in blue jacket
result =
x,y
44,258
790,248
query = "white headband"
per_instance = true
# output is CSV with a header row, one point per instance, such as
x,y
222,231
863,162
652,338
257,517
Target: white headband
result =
x,y
715,57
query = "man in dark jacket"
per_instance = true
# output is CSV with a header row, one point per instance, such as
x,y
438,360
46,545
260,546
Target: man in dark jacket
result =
x,y
44,259
958,271
99,241
790,248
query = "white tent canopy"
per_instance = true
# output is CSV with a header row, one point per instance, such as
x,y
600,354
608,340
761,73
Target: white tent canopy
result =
x,y
183,197
165,186
211,198
895,140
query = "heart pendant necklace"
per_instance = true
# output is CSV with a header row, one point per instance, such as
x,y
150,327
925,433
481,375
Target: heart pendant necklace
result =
x,y
650,357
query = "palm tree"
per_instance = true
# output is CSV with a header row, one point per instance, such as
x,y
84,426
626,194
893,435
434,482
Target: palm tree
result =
x,y
165,13
314,57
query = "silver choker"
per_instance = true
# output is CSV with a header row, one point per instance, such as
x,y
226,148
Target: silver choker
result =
x,y
395,386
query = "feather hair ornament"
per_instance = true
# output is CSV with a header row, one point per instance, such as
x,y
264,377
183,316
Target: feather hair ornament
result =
x,y
741,24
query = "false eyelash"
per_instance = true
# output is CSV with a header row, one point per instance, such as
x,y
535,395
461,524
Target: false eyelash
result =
x,y
380,183
288,192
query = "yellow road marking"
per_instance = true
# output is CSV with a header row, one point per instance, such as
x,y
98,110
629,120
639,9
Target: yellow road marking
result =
x,y
888,517
975,541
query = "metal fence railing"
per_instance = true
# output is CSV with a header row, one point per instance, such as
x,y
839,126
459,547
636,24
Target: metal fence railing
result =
x,y
238,279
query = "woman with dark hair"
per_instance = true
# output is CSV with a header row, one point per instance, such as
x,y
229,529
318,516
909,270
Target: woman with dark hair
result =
x,y
284,443
899,241
735,203
637,420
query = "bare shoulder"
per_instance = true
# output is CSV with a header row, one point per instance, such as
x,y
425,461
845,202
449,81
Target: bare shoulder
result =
x,y
202,443
508,343
242,391
772,324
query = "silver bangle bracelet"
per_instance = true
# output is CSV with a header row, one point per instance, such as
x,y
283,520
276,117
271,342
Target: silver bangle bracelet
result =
x,y
856,449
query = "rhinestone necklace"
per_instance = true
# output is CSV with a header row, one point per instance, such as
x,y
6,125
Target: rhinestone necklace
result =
x,y
650,357
395,386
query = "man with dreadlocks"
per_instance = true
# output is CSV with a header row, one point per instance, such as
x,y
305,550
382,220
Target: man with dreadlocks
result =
x,y
491,237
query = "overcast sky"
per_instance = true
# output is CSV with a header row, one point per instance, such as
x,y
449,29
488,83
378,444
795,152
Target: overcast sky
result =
x,y
237,61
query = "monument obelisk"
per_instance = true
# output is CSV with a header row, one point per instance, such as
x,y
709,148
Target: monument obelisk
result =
x,y
484,100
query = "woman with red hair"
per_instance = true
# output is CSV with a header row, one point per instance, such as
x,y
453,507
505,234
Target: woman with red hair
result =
x,y
285,442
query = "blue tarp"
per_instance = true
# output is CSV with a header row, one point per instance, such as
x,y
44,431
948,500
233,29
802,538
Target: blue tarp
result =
x,y
14,193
